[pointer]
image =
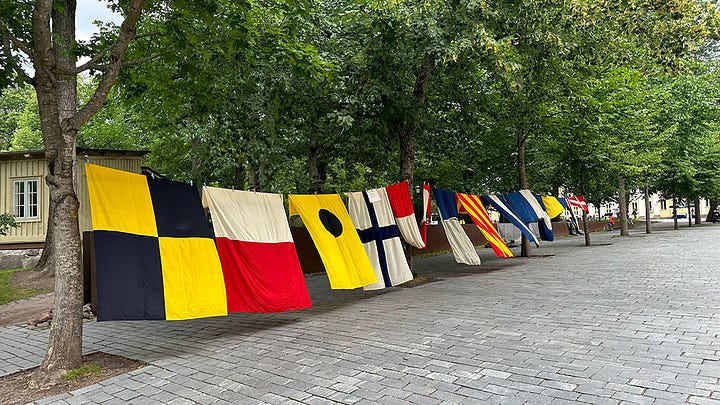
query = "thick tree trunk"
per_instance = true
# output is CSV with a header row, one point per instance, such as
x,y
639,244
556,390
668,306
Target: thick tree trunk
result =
x,y
623,207
56,93
698,212
648,214
713,205
53,29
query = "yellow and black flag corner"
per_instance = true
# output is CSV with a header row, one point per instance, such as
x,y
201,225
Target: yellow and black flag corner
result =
x,y
155,256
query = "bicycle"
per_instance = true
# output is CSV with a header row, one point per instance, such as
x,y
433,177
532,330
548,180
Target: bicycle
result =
x,y
609,227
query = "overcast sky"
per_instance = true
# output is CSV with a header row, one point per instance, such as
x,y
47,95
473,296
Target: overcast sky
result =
x,y
89,11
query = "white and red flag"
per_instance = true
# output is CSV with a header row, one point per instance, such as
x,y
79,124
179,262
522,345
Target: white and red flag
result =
x,y
577,201
257,252
427,211
404,213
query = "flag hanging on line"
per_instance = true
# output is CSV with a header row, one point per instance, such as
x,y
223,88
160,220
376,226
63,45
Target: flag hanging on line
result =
x,y
475,208
427,212
154,253
553,207
326,218
257,252
460,243
544,223
577,201
371,213
500,204
402,208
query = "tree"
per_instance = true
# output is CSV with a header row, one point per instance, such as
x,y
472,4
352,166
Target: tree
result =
x,y
43,34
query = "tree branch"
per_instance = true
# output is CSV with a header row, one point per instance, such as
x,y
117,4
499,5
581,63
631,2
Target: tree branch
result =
x,y
93,64
127,32
14,40
7,50
140,61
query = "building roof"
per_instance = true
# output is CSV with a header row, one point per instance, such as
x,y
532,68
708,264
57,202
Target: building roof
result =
x,y
40,153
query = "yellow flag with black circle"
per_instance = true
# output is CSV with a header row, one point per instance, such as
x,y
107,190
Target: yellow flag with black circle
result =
x,y
336,239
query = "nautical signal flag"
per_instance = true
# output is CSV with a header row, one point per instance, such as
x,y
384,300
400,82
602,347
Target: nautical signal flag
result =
x,y
402,207
460,243
475,208
259,261
552,206
373,218
336,239
155,256
577,201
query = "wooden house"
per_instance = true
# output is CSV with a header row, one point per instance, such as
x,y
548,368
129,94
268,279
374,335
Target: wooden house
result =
x,y
24,193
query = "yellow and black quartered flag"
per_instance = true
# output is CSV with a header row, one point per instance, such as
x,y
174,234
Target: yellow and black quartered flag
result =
x,y
155,256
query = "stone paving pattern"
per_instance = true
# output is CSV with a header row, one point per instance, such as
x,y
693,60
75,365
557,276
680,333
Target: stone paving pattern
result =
x,y
632,320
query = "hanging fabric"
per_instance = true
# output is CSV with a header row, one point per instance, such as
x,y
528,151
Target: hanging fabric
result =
x,y
402,209
154,253
577,201
544,223
257,252
500,205
373,218
475,208
427,212
553,207
460,243
336,239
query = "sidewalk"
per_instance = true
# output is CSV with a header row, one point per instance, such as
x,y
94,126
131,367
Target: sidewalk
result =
x,y
633,320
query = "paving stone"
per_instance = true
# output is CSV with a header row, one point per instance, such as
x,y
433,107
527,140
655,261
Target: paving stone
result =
x,y
606,324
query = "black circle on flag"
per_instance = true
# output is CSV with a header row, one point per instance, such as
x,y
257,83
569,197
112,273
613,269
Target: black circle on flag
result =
x,y
330,222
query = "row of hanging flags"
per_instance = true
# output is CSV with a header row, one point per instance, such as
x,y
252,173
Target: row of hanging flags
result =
x,y
156,256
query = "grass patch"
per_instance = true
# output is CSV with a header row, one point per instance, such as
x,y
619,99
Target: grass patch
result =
x,y
10,293
80,372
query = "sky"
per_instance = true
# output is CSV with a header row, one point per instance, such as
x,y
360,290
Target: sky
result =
x,y
88,11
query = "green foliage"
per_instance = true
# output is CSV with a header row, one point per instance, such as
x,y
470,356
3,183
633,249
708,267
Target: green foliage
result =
x,y
11,293
82,372
7,221
13,101
27,134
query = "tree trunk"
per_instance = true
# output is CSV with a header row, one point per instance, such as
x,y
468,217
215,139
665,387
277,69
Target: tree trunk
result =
x,y
53,30
586,230
713,205
316,180
623,207
689,213
55,88
675,218
698,212
647,209
523,183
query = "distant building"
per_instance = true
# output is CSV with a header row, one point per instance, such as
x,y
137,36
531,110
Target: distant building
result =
x,y
24,193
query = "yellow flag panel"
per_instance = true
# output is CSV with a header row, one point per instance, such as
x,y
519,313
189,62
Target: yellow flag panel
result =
x,y
336,239
120,201
192,278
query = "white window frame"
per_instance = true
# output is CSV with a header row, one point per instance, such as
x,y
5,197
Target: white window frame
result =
x,y
23,203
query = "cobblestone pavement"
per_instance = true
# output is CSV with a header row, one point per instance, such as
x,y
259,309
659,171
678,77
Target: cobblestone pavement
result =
x,y
630,320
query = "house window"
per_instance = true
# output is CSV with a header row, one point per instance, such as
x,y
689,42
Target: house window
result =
x,y
663,204
25,199
634,206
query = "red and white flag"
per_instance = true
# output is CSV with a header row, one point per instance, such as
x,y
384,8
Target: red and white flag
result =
x,y
404,213
427,212
577,201
259,261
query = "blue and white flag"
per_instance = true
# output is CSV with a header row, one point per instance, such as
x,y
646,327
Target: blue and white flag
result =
x,y
373,218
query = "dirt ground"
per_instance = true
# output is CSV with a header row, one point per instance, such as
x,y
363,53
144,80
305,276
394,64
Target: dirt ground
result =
x,y
31,309
14,387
